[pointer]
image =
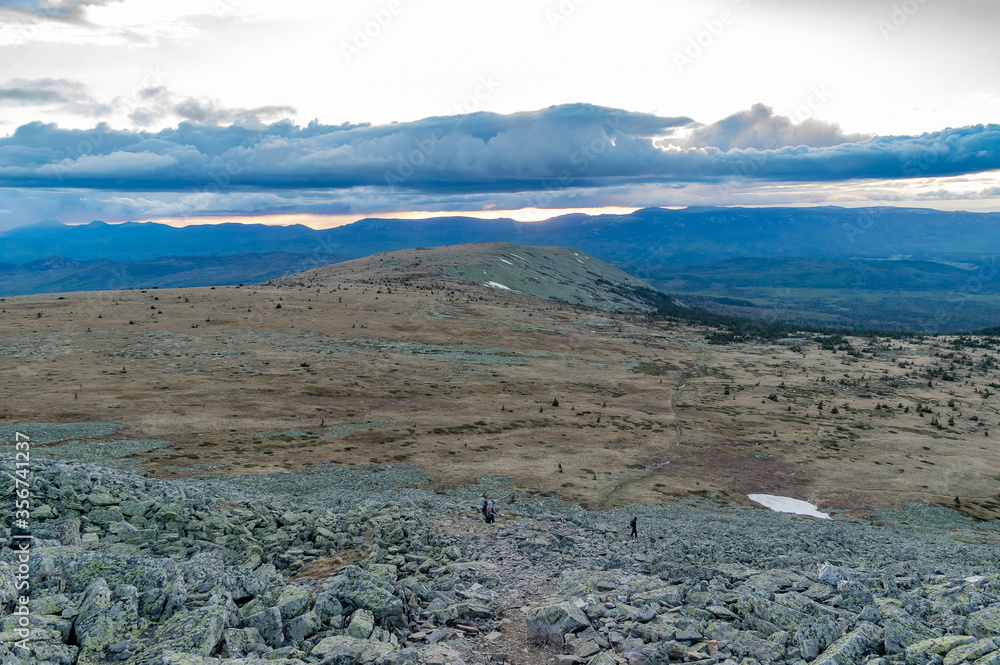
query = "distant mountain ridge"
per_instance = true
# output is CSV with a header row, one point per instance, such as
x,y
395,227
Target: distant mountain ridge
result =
x,y
647,237
58,274
877,268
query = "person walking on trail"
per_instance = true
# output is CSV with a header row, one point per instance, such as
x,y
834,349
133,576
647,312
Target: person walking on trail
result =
x,y
635,536
489,511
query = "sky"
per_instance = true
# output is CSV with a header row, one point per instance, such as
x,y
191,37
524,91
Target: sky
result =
x,y
324,112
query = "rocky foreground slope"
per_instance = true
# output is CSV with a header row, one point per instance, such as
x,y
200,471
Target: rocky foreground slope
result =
x,y
126,569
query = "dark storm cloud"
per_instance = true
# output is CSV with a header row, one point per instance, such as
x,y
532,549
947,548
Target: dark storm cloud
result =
x,y
561,147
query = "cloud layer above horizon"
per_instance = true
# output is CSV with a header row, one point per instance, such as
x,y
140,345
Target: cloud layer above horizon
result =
x,y
564,155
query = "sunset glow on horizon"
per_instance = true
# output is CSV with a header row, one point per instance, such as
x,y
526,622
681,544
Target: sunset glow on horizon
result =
x,y
332,221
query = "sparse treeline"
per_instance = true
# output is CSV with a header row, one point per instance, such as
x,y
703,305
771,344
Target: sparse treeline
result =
x,y
732,329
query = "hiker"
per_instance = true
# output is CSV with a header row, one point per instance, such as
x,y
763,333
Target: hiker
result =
x,y
635,536
489,511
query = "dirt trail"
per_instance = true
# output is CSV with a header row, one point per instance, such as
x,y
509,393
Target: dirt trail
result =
x,y
703,359
524,582
678,425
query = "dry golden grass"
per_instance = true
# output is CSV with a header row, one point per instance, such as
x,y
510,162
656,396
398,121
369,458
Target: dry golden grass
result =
x,y
204,368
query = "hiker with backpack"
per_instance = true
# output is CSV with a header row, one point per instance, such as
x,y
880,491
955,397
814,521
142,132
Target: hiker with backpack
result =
x,y
489,511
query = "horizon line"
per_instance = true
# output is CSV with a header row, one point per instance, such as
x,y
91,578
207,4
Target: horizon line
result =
x,y
320,222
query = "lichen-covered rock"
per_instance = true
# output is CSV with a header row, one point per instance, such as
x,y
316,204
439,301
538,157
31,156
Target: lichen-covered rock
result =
x,y
268,624
40,652
293,601
361,624
854,594
345,650
666,597
440,654
101,497
815,636
286,653
902,629
970,652
603,658
408,656
257,581
153,578
8,586
465,610
301,627
69,531
988,659
175,658
241,642
51,604
773,612
754,649
852,648
923,652
329,609
43,626
362,590
196,632
833,575
551,623
105,620
984,623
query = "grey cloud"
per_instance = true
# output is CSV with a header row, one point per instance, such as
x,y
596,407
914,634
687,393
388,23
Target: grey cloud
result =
x,y
559,149
943,194
208,113
69,96
155,104
759,128
54,9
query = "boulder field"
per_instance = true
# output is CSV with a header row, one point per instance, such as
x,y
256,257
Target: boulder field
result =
x,y
127,569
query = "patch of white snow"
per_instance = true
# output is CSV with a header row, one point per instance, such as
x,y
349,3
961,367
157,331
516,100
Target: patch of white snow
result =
x,y
507,262
783,504
497,285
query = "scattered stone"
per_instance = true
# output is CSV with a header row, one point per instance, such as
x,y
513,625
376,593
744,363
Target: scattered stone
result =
x,y
551,623
202,572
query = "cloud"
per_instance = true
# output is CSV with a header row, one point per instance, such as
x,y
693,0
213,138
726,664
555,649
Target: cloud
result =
x,y
56,9
759,128
67,96
155,104
574,155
